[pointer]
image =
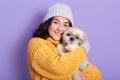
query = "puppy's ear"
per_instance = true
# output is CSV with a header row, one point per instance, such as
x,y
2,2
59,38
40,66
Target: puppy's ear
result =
x,y
84,37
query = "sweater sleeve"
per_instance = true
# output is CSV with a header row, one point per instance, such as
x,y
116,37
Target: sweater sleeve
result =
x,y
86,46
45,60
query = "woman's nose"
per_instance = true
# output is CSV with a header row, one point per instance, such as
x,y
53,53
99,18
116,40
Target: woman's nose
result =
x,y
61,28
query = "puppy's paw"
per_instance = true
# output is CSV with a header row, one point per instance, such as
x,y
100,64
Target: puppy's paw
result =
x,y
60,48
71,47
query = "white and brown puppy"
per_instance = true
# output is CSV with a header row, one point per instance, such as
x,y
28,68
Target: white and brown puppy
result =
x,y
72,38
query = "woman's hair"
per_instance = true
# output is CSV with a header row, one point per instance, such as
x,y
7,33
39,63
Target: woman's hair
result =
x,y
42,30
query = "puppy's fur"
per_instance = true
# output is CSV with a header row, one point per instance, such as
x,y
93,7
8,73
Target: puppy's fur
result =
x,y
72,38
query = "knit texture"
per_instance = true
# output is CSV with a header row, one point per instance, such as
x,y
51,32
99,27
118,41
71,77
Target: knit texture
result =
x,y
91,73
59,9
45,64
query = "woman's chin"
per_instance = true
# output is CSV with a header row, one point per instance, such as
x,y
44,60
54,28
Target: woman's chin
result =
x,y
57,38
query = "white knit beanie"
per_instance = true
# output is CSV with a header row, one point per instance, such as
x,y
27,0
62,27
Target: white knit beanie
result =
x,y
59,9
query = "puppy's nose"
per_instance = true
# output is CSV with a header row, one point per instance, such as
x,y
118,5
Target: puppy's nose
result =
x,y
71,39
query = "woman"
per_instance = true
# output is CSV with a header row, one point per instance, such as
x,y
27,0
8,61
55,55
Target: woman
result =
x,y
43,60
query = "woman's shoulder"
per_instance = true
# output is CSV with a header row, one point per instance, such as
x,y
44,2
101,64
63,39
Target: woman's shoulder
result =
x,y
36,40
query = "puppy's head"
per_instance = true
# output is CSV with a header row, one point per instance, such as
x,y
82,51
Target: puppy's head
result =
x,y
73,35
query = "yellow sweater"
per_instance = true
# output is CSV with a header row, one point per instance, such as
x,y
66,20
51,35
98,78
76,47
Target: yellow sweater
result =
x,y
45,64
91,72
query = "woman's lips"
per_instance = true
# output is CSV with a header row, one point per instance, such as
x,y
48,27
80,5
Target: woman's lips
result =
x,y
58,33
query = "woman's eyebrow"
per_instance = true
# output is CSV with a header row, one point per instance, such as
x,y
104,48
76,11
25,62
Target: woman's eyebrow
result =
x,y
59,21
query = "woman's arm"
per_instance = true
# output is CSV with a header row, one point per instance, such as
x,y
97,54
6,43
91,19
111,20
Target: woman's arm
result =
x,y
45,60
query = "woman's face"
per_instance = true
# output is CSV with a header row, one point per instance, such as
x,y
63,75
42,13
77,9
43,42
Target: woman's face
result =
x,y
57,27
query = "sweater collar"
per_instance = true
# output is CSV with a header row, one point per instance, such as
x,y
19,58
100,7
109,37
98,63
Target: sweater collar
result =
x,y
53,41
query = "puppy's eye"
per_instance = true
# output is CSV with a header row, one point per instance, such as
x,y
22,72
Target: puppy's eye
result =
x,y
77,37
68,34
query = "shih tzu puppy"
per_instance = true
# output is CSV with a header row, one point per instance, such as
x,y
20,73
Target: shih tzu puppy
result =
x,y
72,38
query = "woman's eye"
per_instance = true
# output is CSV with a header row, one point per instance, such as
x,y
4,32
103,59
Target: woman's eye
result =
x,y
55,22
66,25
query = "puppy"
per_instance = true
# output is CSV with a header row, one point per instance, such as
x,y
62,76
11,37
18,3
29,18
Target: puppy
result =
x,y
72,38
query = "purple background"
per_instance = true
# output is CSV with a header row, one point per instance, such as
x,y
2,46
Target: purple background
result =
x,y
100,19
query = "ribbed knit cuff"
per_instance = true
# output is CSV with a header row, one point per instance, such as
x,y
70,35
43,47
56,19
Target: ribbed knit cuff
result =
x,y
83,65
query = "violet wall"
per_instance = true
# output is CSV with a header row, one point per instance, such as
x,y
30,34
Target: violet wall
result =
x,y
100,19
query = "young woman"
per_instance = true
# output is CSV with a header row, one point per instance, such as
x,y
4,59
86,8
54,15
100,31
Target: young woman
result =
x,y
43,60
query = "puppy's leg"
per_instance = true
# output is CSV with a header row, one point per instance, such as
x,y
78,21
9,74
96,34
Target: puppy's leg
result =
x,y
71,47
60,49
77,76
